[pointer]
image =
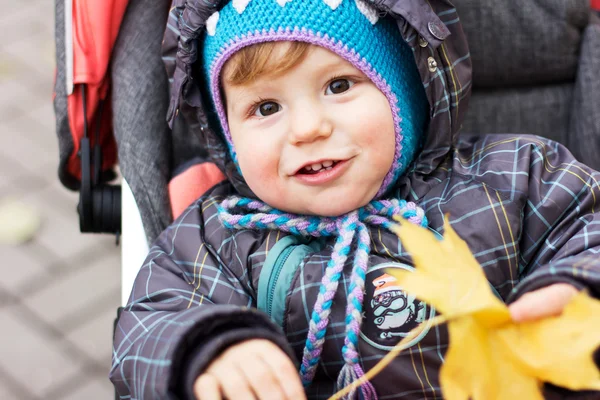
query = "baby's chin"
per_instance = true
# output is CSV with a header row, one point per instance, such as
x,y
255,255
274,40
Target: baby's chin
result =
x,y
320,207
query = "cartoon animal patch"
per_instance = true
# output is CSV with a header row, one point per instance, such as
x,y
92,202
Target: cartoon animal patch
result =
x,y
391,313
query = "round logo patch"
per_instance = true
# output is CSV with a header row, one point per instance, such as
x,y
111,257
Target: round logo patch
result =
x,y
390,312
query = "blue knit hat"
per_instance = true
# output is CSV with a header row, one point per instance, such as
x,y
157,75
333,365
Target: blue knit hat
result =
x,y
350,28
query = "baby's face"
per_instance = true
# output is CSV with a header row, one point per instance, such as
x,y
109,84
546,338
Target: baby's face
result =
x,y
318,139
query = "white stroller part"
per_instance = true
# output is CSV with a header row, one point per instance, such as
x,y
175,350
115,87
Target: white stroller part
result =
x,y
134,246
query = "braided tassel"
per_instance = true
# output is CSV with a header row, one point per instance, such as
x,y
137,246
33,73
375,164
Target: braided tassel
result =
x,y
383,212
270,218
352,370
322,309
377,213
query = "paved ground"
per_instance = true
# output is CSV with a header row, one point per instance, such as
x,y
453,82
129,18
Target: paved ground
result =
x,y
59,292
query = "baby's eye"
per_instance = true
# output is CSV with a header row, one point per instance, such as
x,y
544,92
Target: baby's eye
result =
x,y
267,108
339,86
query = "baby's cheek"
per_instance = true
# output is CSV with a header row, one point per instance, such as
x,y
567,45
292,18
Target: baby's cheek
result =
x,y
260,172
378,134
374,121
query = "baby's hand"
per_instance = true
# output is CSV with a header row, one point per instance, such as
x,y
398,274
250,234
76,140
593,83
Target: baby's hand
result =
x,y
254,369
547,302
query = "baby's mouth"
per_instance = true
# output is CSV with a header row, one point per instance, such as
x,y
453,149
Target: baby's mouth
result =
x,y
316,168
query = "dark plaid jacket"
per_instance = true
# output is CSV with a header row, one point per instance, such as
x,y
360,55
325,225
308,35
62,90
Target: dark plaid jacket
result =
x,y
528,210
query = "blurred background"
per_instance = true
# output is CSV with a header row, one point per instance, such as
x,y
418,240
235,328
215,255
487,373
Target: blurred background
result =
x,y
60,290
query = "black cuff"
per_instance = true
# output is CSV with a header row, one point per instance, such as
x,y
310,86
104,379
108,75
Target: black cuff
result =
x,y
205,354
218,328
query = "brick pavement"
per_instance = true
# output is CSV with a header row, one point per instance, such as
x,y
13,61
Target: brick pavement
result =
x,y
58,292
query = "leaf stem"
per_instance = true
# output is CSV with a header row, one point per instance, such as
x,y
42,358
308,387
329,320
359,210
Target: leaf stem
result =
x,y
440,319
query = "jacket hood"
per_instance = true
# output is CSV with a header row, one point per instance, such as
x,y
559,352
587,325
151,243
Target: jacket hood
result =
x,y
432,29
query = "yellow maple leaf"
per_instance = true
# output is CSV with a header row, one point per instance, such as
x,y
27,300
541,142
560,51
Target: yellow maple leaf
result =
x,y
489,356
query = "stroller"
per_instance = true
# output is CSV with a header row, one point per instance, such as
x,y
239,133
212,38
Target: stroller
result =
x,y
534,75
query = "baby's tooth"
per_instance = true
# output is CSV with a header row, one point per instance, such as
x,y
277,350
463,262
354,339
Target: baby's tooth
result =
x,y
328,168
328,163
316,167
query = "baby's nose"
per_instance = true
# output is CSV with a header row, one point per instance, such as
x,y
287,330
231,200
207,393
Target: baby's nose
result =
x,y
309,123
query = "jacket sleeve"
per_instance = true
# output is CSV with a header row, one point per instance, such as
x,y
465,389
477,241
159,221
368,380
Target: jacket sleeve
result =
x,y
560,240
192,298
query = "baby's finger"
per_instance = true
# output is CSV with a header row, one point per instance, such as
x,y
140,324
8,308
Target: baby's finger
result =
x,y
286,375
542,303
207,387
234,384
264,383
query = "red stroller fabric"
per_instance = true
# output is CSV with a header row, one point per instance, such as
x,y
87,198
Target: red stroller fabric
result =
x,y
95,26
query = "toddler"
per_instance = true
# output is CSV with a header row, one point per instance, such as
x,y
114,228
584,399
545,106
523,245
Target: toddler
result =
x,y
330,117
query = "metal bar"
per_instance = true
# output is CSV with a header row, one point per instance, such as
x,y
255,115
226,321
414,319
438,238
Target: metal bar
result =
x,y
69,45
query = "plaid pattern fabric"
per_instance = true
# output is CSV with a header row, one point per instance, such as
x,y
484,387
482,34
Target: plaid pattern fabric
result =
x,y
528,211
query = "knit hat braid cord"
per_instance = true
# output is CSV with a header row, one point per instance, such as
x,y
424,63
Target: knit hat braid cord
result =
x,y
347,228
